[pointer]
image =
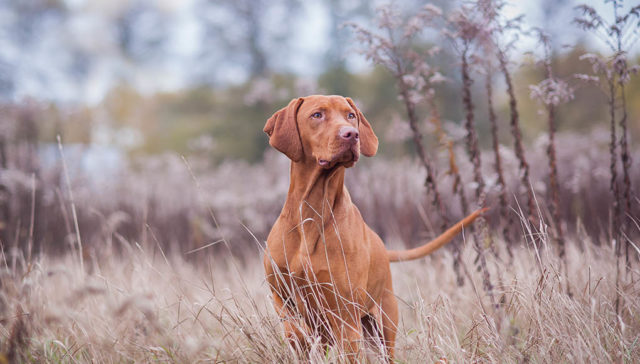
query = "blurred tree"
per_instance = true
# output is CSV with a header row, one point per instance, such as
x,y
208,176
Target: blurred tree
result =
x,y
141,31
336,78
245,33
22,33
552,14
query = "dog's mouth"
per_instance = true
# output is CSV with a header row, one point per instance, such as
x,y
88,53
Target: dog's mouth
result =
x,y
346,158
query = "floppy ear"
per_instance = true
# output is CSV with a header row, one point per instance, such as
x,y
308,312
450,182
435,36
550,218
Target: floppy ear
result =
x,y
368,139
282,130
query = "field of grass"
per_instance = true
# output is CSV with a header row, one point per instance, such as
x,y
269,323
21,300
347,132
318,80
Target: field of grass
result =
x,y
130,257
171,267
141,305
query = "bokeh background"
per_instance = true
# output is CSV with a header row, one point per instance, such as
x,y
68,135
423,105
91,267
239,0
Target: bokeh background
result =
x,y
160,105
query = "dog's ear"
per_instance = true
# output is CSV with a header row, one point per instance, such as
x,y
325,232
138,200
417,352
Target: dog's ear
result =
x,y
283,133
368,139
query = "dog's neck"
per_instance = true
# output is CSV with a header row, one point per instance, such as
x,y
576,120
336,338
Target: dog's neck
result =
x,y
316,189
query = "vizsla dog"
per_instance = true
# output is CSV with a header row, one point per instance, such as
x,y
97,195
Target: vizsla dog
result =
x,y
328,271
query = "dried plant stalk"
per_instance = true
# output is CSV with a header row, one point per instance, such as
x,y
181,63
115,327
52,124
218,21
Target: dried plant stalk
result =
x,y
517,136
458,188
620,30
619,36
551,92
471,141
445,141
430,181
414,76
466,30
471,138
502,196
613,182
553,181
494,42
626,180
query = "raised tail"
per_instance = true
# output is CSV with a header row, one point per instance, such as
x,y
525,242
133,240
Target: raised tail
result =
x,y
435,244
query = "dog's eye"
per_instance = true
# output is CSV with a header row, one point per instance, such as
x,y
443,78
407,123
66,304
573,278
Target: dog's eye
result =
x,y
316,115
351,115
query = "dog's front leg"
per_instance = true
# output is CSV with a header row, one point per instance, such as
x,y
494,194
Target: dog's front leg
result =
x,y
347,333
389,321
295,330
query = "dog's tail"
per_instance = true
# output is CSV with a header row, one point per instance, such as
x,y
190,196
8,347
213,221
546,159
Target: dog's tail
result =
x,y
430,247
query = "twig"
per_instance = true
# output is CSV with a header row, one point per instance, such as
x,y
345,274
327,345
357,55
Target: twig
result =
x,y
73,205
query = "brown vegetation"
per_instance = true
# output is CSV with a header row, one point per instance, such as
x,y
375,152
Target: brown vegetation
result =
x,y
158,259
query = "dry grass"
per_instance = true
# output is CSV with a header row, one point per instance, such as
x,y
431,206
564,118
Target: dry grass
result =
x,y
156,197
134,302
141,306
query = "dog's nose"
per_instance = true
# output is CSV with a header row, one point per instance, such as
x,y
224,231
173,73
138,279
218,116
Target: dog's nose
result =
x,y
349,133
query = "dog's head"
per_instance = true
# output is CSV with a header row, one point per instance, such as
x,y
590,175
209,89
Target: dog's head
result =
x,y
325,130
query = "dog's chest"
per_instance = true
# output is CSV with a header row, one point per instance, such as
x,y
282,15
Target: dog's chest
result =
x,y
321,255
317,284
329,272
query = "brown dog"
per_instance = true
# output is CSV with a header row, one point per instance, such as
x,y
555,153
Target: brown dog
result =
x,y
328,271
